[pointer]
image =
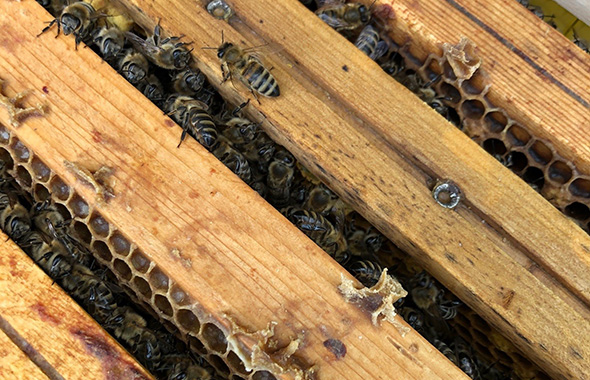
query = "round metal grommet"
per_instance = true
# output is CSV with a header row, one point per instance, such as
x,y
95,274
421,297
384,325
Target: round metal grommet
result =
x,y
447,194
219,9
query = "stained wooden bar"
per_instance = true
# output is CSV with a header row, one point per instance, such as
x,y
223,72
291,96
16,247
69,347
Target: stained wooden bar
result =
x,y
50,326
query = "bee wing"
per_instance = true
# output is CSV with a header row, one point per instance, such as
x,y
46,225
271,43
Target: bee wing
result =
x,y
332,21
143,46
382,48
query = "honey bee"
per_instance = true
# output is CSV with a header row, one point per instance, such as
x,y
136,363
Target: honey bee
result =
x,y
188,82
233,159
326,202
320,230
248,138
363,239
152,88
445,350
424,291
414,317
47,219
369,42
52,259
78,19
248,69
465,360
14,218
183,368
134,66
192,116
448,308
343,17
167,53
392,63
110,41
280,177
366,271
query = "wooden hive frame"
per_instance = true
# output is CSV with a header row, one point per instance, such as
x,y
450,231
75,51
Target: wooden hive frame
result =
x,y
542,252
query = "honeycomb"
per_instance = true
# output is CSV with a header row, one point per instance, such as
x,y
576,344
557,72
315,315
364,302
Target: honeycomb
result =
x,y
220,343
463,87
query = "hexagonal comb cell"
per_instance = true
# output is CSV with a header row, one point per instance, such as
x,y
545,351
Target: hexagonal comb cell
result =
x,y
102,250
79,206
122,269
219,364
7,158
517,135
560,172
83,232
20,151
41,193
4,135
578,211
163,305
495,121
541,153
188,320
59,189
159,279
143,287
23,177
40,170
179,296
139,261
580,188
214,338
99,226
120,244
235,363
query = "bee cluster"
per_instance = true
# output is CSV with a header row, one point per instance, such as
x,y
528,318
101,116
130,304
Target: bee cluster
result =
x,y
161,68
41,230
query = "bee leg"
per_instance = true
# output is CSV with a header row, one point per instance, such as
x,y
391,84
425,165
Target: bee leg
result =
x,y
49,27
255,96
157,31
240,107
226,74
183,136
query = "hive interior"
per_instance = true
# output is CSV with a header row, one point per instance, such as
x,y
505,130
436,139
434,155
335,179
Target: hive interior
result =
x,y
533,159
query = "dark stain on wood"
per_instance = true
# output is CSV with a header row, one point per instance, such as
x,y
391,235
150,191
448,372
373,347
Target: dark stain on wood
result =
x,y
44,315
336,347
451,257
575,353
507,298
114,367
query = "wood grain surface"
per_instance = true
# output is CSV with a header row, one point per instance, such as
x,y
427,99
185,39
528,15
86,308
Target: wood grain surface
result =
x,y
52,329
241,257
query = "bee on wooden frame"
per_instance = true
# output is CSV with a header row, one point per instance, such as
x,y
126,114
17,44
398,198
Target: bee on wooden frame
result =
x,y
248,68
188,81
344,16
78,19
369,42
167,53
320,230
134,66
366,271
192,116
110,41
